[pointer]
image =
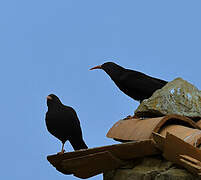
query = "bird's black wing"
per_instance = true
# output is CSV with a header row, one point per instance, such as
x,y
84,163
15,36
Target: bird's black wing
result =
x,y
140,83
159,80
75,136
71,115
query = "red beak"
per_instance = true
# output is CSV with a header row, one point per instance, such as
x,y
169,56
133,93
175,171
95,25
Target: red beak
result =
x,y
96,67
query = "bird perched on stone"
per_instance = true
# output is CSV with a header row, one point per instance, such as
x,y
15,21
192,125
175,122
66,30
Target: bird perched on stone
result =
x,y
137,85
63,123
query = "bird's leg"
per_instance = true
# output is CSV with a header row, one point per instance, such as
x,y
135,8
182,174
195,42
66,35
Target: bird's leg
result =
x,y
62,149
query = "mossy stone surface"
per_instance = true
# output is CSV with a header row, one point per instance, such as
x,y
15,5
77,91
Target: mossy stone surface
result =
x,y
177,97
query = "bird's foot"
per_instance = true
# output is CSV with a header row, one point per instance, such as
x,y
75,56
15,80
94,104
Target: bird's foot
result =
x,y
136,117
128,117
131,117
62,152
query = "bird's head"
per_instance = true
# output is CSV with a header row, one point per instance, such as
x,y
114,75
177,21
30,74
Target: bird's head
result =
x,y
112,69
53,100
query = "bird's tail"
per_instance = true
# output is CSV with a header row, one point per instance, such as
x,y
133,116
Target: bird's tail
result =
x,y
78,144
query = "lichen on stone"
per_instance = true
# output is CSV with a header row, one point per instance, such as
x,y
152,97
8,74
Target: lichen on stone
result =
x,y
177,97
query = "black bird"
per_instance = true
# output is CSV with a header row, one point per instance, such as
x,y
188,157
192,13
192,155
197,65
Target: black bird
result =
x,y
137,85
63,123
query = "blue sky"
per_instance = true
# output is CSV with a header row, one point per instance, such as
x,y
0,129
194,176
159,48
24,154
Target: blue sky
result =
x,y
48,47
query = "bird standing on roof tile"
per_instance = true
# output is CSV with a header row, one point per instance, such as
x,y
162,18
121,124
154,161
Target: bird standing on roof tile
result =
x,y
63,123
137,85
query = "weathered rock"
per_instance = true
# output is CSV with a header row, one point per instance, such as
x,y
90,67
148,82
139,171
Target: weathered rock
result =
x,y
176,97
150,168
